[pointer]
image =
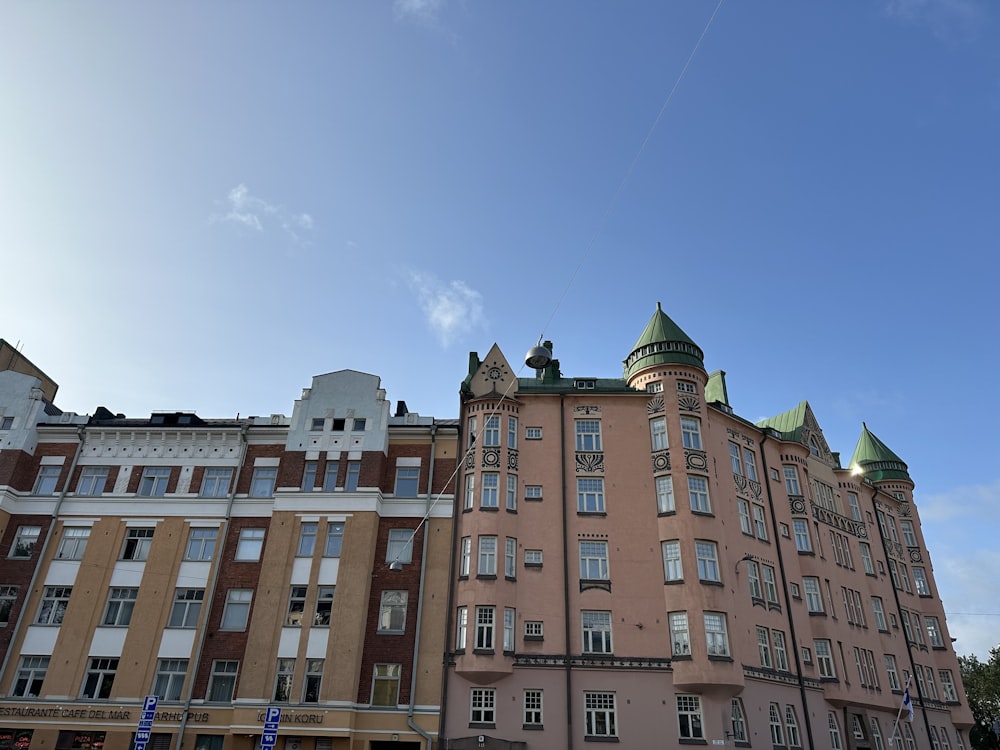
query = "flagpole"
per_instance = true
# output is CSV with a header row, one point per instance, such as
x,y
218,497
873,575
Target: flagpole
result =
x,y
902,705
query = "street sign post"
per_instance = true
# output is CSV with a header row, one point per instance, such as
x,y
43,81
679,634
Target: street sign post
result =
x,y
144,731
270,736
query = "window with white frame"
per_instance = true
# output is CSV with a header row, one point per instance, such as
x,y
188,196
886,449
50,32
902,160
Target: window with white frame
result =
x,y
866,558
735,459
743,508
698,494
490,495
509,621
672,567
262,482
487,556
483,706
664,495
510,558
6,423
8,597
686,386
680,637
600,715
824,658
532,701
511,492
200,544
876,733
324,605
792,727
689,722
399,547
392,612
708,560
774,721
588,435
879,611
407,481
852,504
823,495
25,541
330,475
738,719
932,692
186,608
596,632
911,743
750,464
800,529
236,612
296,606
716,637
137,544
753,581
534,630
334,540
385,684
48,479
309,475
764,647
590,495
30,676
485,628
759,521
780,651
465,556
461,627
73,542
656,387
792,485
250,545
100,678
770,585
92,480
814,597
658,433
491,431
154,481
920,580
691,433
934,636
947,680
473,433
594,561
52,608
118,610
532,558
313,681
512,433
909,536
533,492
222,681
169,679
834,727
308,531
532,433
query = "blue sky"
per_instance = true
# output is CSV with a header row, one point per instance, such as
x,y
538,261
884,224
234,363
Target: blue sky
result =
x,y
202,205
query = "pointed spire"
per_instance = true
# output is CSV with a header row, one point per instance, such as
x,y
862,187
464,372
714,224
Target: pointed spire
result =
x,y
875,460
663,342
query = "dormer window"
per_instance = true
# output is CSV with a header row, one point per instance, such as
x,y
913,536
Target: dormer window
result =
x,y
585,384
686,386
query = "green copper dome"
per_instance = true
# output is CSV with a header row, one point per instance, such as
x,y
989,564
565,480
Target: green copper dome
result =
x,y
875,461
663,343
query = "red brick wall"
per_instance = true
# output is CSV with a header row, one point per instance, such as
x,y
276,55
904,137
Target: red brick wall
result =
x,y
276,450
18,571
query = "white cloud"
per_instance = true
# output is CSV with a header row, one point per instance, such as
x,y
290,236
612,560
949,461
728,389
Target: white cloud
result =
x,y
450,308
255,213
947,19
981,502
422,11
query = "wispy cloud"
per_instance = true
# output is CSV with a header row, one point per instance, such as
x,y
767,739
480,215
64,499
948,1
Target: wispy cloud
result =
x,y
450,308
953,20
425,12
252,212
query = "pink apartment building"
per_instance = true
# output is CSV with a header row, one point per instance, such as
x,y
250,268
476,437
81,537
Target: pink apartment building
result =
x,y
635,563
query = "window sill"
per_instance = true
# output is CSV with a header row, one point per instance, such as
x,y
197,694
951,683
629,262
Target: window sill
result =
x,y
589,738
482,725
673,582
683,741
489,509
713,657
817,614
666,513
534,638
681,657
487,577
709,583
483,651
703,513
532,727
532,565
598,513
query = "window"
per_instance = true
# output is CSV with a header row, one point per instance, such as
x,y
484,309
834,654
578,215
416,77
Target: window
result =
x,y
814,599
73,542
330,476
824,496
470,491
487,556
92,480
588,435
759,522
534,630
590,495
594,561
658,433
407,481
48,479
691,433
491,431
511,492
698,493
100,678
792,480
911,744
890,669
485,624
309,475
510,557
30,676
841,550
743,507
780,651
512,433
800,528
879,614
920,580
909,537
715,634
118,610
680,640
154,482
596,632
852,503
739,721
770,585
283,680
764,648
296,605
753,581
222,682
314,678
186,608
137,544
934,632
8,597
201,544
262,483
533,433
664,495
876,734
317,424
947,680
750,463
834,727
708,561
307,538
774,720
169,679
324,605
461,627
385,684
689,725
236,612
25,541
533,558
672,569
465,556
392,612
509,618
55,599
482,706
599,715
734,459
824,658
866,558
400,546
6,423
339,425
250,545
532,708
334,539
359,424
491,488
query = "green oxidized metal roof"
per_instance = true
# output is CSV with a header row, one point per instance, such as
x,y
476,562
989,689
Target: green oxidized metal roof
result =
x,y
663,342
788,423
875,460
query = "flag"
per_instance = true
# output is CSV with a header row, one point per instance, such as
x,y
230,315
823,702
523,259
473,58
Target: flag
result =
x,y
908,704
